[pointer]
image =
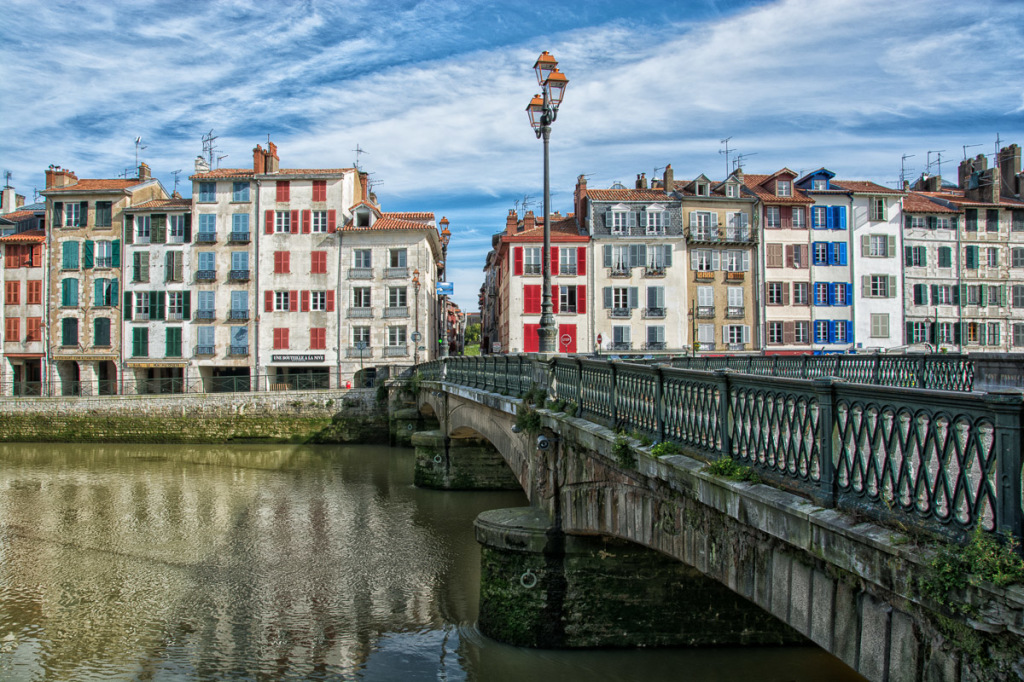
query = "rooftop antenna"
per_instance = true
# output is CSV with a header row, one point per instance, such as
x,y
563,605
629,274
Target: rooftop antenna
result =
x,y
968,146
176,174
726,152
903,167
998,141
7,179
738,161
138,146
209,148
359,150
928,165
35,195
221,157
526,201
939,162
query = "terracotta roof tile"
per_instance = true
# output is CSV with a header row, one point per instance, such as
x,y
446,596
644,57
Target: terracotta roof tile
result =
x,y
163,203
390,223
563,230
410,215
94,185
753,184
865,186
27,237
916,202
15,216
627,195
956,196
223,173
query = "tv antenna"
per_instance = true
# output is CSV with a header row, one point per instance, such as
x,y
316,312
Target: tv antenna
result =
x,y
998,141
176,174
738,161
526,202
726,152
138,146
359,150
7,179
209,148
928,165
968,146
903,167
221,157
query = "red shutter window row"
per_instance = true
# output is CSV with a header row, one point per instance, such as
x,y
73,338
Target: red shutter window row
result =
x,y
280,338
282,262
23,256
298,300
293,222
12,257
12,293
531,299
319,190
283,190
318,263
34,329
34,292
554,260
317,338
581,260
12,329
531,341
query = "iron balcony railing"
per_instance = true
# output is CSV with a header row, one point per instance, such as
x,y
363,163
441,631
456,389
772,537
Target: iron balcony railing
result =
x,y
395,351
705,311
620,271
396,311
238,314
206,275
205,315
567,269
238,350
654,313
654,271
206,237
204,350
360,273
238,275
239,237
619,313
396,273
360,312
734,311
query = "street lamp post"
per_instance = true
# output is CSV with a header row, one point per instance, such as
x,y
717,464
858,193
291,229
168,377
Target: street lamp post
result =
x,y
416,318
543,110
446,237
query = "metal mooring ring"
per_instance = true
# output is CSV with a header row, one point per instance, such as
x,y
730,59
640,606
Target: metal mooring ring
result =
x,y
408,427
437,459
528,579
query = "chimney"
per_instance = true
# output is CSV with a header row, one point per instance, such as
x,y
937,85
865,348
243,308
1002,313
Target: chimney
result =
x,y
201,165
8,202
259,161
529,222
933,183
1009,167
641,181
511,221
144,173
364,179
579,198
906,185
669,179
59,177
273,163
989,185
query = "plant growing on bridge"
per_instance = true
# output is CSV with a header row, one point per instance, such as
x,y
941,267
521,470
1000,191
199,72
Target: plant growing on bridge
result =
x,y
415,381
571,408
527,419
727,468
536,395
984,558
665,448
555,405
623,453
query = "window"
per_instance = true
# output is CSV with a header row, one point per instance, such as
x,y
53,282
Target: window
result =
x,y
621,337
620,298
946,257
775,332
992,224
207,191
821,331
361,297
621,258
34,292
142,305
837,253
915,256
1017,257
566,261
240,262
620,221
973,294
318,301
973,335
1018,334
703,189
240,226
207,263
971,219
821,293
531,260
840,331
736,333
282,222
361,335
33,329
282,262
239,304
105,291
142,229
879,325
206,302
239,340
946,333
396,336
732,191
318,263
567,299
878,209
281,338
796,255
801,331
1017,296
103,211
801,293
705,296
69,292
917,332
172,342
282,300
783,188
175,305
737,261
69,256
69,331
703,224
73,215
12,293
656,337
1017,220
703,260
283,190
657,221
240,191
971,257
942,294
140,342
839,292
12,329
775,293
993,257
995,295
397,297
772,217
319,221
104,257
918,222
317,338
361,258
773,255
878,246
734,297
319,190
819,217
879,286
799,219
819,253
993,334
659,256
205,340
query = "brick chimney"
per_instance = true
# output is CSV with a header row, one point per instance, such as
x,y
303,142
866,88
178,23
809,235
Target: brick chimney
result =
x,y
1009,168
364,182
259,161
529,222
641,181
201,165
273,164
969,167
59,177
511,221
579,198
144,173
669,179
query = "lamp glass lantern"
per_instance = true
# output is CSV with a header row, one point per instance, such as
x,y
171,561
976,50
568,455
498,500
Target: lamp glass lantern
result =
x,y
556,84
544,65
535,110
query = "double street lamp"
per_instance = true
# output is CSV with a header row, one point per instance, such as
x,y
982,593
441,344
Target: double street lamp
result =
x,y
543,110
446,237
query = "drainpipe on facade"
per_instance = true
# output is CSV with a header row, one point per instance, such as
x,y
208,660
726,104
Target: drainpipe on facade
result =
x,y
120,323
961,293
338,302
44,372
755,262
900,247
853,272
256,293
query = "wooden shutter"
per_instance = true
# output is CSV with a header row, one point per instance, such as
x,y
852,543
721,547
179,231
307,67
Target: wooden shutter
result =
x,y
83,218
517,259
330,300
607,256
293,301
305,301
581,260
865,245
554,298
789,332
332,221
554,260
295,222
581,299
890,251
268,222
892,287
305,221
634,297
607,297
88,253
186,304
785,293
188,228
268,301
158,229
115,253
789,255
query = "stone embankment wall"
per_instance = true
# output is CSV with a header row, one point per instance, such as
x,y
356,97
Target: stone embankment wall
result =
x,y
329,416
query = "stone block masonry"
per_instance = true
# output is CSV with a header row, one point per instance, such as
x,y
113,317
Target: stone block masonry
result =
x,y
329,416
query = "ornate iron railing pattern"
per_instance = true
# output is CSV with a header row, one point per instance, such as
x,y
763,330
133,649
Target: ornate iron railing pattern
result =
x,y
945,460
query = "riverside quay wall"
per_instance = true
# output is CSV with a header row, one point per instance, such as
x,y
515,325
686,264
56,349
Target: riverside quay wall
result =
x,y
328,416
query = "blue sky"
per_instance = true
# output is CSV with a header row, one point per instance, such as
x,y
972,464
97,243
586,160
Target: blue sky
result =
x,y
435,92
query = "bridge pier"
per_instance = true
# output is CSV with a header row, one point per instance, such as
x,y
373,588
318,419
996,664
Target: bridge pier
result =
x,y
404,423
459,463
541,588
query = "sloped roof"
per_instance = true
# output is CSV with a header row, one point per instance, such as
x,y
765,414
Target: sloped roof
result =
x,y
915,202
21,214
27,237
410,215
864,187
957,197
222,173
627,195
387,222
754,184
563,230
228,173
97,185
180,204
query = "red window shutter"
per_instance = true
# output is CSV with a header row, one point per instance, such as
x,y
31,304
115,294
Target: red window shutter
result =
x,y
286,261
330,300
305,301
283,190
531,342
319,190
295,222
517,256
11,257
305,222
268,301
581,260
268,222
531,299
332,221
567,331
293,301
554,260
37,255
285,344
786,214
581,299
554,297
317,338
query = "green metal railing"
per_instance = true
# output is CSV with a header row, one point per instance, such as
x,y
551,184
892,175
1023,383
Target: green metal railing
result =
x,y
943,460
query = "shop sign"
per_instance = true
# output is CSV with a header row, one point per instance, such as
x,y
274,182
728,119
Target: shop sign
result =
x,y
297,358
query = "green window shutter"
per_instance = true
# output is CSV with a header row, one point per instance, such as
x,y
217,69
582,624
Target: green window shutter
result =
x,y
935,294
97,286
924,253
161,305
83,211
127,305
908,255
129,229
188,228
88,253
983,296
1002,295
70,255
890,251
115,253
158,229
186,306
865,245
144,267
114,294
58,214
865,287
172,341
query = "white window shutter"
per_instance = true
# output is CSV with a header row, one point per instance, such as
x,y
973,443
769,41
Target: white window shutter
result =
x,y
608,219
746,333
746,261
693,219
632,218
714,219
694,263
716,260
725,333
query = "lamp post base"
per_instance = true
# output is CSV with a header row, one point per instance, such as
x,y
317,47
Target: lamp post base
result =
x,y
548,336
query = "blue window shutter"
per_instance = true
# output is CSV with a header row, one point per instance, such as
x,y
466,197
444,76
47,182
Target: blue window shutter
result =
x,y
607,256
607,297
814,293
841,210
849,293
842,253
849,331
831,331
830,217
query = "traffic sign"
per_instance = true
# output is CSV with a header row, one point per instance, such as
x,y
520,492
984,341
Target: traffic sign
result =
x,y
445,288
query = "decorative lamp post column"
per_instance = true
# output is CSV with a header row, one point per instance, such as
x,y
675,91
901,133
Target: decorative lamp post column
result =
x,y
416,318
446,237
543,110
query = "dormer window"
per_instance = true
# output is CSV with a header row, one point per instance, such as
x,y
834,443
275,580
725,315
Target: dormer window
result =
x,y
783,188
819,184
619,219
732,191
362,219
703,189
656,219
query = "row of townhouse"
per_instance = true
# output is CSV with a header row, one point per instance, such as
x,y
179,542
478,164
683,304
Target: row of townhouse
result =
x,y
780,263
266,278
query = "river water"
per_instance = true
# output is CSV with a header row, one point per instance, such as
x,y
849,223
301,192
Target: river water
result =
x,y
151,562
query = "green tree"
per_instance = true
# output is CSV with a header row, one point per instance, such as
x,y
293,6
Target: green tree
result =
x,y
472,334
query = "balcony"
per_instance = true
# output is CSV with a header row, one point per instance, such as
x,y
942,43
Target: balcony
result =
x,y
567,309
654,345
531,269
396,311
238,275
737,346
653,313
175,316
204,350
104,262
396,351
705,274
619,313
353,352
206,275
360,312
360,273
702,234
654,271
141,316
734,311
621,345
239,237
737,234
237,314
567,270
734,276
706,345
396,273
206,237
205,315
238,350
620,271
705,312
